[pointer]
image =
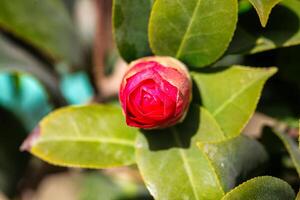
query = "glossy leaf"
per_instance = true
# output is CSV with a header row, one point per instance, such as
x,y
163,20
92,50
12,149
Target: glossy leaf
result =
x,y
275,35
173,167
231,94
158,152
196,32
34,23
263,9
130,22
238,152
262,188
93,136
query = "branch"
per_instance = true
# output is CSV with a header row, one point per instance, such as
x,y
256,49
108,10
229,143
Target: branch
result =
x,y
107,87
259,121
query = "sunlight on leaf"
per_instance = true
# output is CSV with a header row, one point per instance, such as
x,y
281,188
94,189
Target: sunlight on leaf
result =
x,y
173,167
262,188
231,94
94,136
196,32
263,9
238,152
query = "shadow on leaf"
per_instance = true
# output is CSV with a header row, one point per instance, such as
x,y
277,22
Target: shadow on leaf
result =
x,y
179,136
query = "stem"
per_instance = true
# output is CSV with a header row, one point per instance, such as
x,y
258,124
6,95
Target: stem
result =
x,y
103,40
259,121
107,86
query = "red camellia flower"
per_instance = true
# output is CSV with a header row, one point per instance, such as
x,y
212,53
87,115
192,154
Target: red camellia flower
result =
x,y
155,92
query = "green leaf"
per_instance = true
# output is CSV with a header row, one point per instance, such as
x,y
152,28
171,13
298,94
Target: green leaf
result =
x,y
160,151
130,22
93,136
231,94
231,157
262,188
45,25
263,9
173,167
275,35
244,6
196,32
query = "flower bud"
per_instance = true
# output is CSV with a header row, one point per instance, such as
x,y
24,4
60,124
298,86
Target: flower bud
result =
x,y
155,92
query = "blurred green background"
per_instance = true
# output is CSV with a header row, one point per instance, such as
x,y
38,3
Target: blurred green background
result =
x,y
53,53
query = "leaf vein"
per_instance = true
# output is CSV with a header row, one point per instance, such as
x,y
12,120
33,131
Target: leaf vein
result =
x,y
188,29
185,163
88,140
183,8
235,95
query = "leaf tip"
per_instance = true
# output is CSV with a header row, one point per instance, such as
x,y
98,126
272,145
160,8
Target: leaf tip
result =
x,y
30,140
263,23
273,70
263,19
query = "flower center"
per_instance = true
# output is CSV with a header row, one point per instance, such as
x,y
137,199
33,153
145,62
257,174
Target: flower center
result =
x,y
149,102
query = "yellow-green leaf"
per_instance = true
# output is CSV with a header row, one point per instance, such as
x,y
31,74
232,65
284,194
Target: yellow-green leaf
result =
x,y
263,9
298,196
262,188
93,136
173,167
231,94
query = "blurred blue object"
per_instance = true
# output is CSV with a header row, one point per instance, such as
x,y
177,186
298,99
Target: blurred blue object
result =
x,y
77,88
24,95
